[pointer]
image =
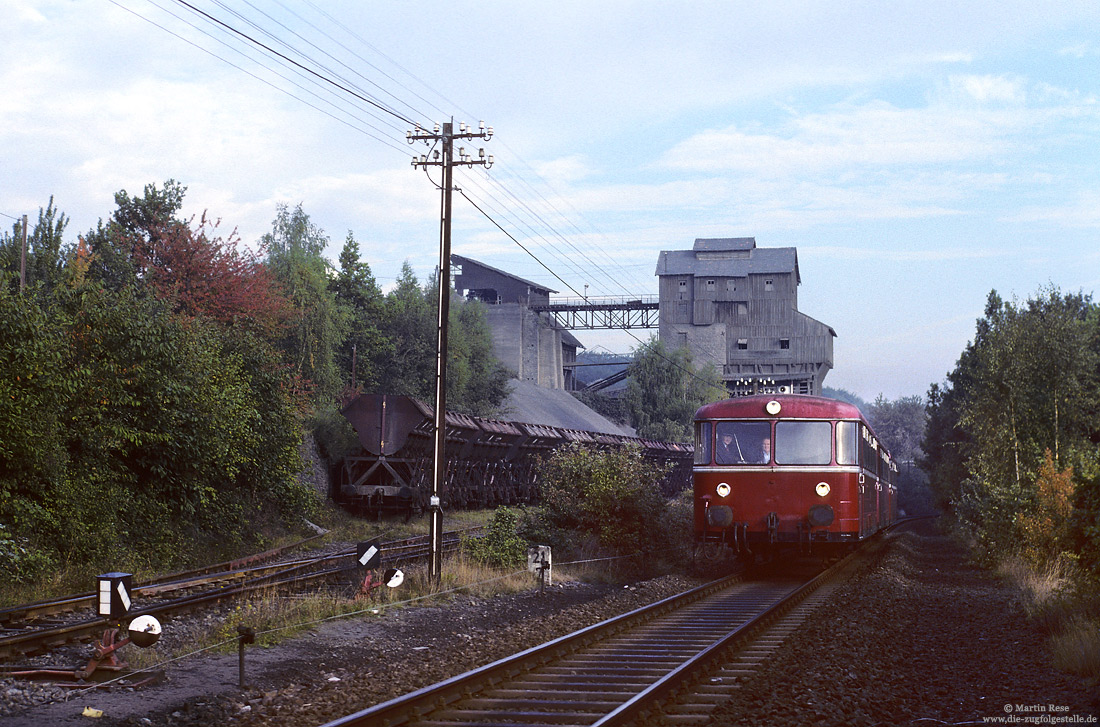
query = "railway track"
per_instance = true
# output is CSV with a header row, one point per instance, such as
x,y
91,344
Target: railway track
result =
x,y
671,662
40,627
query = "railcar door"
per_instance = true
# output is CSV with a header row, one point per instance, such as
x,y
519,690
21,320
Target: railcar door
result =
x,y
868,498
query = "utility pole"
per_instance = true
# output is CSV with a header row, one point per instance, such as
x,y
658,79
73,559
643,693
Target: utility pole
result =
x,y
23,259
443,157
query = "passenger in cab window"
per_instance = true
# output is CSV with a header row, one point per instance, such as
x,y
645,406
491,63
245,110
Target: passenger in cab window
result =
x,y
765,456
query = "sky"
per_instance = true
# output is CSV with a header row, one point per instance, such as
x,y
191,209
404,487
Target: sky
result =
x,y
917,154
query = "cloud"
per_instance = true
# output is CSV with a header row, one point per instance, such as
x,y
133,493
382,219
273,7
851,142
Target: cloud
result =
x,y
1079,50
1081,211
990,89
876,134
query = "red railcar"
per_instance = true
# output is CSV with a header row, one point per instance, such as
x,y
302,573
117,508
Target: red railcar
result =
x,y
788,470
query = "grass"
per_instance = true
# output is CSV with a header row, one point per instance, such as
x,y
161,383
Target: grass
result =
x,y
73,578
344,526
1069,613
1076,649
274,617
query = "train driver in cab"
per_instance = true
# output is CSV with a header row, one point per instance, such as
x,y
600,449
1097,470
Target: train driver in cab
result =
x,y
727,450
734,450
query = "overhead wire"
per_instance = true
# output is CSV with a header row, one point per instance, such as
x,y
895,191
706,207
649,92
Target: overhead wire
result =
x,y
614,279
360,57
246,71
685,369
327,94
291,49
299,65
555,233
494,195
529,227
524,181
274,52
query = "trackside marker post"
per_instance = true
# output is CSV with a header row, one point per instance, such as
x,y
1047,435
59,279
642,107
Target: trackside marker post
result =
x,y
538,561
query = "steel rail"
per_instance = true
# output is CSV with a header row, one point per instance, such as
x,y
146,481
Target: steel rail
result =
x,y
67,604
285,575
401,709
597,703
696,666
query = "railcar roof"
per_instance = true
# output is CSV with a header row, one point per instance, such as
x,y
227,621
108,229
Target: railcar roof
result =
x,y
791,406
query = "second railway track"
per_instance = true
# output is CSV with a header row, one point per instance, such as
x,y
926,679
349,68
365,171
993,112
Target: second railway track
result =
x,y
26,632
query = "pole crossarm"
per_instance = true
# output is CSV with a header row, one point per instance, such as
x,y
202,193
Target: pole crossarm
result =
x,y
440,158
604,313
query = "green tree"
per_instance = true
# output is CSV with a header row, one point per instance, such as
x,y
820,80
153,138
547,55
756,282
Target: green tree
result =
x,y
1028,383
900,424
477,383
847,396
945,445
410,324
366,346
295,254
664,390
500,547
136,411
46,250
125,250
33,406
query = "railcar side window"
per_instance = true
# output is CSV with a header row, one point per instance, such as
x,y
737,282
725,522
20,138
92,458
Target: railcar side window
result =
x,y
847,443
743,443
702,442
803,442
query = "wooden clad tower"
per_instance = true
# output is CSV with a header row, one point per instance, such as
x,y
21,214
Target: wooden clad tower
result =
x,y
736,306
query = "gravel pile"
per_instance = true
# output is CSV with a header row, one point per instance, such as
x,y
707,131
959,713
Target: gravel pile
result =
x,y
17,695
921,637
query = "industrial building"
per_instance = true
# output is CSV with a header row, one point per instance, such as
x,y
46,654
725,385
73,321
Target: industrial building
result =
x,y
735,305
529,343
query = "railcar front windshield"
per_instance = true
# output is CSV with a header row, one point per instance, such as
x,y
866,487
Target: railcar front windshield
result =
x,y
743,443
803,443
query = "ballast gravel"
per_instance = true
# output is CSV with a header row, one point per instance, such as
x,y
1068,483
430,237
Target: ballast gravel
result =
x,y
918,637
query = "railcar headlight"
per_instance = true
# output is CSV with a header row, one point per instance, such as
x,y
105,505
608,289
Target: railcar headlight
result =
x,y
822,489
723,489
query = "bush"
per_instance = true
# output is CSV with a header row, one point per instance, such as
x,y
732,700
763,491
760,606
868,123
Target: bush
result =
x,y
501,547
19,562
612,494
